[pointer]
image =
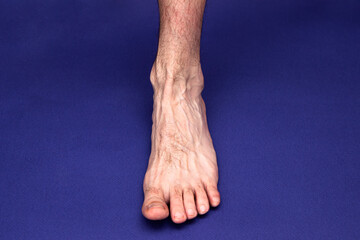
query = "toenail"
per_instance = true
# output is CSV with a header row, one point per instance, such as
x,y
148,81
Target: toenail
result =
x,y
202,208
155,205
216,199
190,212
178,215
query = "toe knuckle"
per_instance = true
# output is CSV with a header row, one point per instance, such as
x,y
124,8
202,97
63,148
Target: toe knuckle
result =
x,y
188,191
152,190
199,187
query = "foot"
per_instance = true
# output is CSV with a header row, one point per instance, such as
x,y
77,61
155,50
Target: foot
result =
x,y
182,169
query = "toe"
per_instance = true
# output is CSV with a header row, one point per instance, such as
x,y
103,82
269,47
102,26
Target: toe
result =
x,y
213,195
177,205
154,206
189,203
202,201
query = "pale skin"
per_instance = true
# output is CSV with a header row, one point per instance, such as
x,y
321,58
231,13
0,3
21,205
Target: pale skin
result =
x,y
182,175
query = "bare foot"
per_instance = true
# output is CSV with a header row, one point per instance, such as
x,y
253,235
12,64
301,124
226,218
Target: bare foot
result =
x,y
182,169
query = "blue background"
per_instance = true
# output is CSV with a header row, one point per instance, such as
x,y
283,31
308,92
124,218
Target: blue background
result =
x,y
283,98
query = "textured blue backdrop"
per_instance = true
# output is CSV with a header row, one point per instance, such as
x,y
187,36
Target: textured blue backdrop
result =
x,y
283,98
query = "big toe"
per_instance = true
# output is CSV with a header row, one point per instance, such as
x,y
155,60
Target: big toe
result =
x,y
155,211
154,206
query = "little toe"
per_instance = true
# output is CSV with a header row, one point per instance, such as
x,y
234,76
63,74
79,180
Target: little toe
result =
x,y
177,206
154,206
213,195
202,201
189,203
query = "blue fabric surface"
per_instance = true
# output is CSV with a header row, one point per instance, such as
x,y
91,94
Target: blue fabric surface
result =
x,y
283,100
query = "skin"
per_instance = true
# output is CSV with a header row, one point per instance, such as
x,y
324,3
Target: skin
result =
x,y
182,170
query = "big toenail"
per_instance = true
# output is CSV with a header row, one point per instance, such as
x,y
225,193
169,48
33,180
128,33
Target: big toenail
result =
x,y
155,205
202,208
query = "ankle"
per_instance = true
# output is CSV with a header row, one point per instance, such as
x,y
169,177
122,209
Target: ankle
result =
x,y
176,67
170,79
